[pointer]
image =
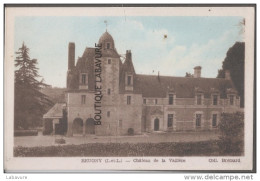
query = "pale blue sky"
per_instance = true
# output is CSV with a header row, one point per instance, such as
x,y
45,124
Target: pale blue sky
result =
x,y
191,41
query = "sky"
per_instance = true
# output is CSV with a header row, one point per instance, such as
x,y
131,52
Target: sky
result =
x,y
191,41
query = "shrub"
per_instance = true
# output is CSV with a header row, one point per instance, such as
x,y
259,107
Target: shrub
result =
x,y
232,133
46,132
25,133
130,131
60,141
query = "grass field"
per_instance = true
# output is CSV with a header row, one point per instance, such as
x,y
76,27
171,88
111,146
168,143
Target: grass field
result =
x,y
203,148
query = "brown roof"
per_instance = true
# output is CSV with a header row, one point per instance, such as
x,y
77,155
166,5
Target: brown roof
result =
x,y
56,111
183,87
157,86
106,37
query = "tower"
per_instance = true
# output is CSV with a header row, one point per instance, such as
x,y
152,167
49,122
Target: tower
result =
x,y
110,66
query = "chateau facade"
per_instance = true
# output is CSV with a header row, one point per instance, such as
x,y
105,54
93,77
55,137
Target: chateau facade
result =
x,y
105,96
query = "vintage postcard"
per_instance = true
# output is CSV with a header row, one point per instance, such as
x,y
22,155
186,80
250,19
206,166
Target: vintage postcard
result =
x,y
129,88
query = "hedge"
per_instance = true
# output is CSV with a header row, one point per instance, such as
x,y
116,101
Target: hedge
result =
x,y
25,133
202,148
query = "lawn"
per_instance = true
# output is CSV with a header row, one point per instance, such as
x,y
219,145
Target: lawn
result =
x,y
202,148
168,144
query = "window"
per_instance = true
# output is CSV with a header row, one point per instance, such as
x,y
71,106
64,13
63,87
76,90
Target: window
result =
x,y
109,61
170,120
108,91
128,100
129,80
144,101
83,99
214,120
108,45
198,120
171,99
156,101
199,99
108,113
215,99
231,99
120,124
83,79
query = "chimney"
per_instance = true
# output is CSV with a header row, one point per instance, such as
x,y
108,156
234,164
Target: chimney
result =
x,y
71,56
197,71
128,55
227,75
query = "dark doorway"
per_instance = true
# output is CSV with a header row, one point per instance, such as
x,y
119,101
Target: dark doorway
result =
x,y
77,126
156,124
90,126
58,129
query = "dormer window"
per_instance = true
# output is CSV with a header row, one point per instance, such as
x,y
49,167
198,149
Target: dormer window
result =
x,y
129,80
199,99
83,79
231,100
171,99
108,45
215,99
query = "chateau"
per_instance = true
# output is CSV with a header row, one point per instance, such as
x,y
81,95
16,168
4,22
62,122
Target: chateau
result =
x,y
105,96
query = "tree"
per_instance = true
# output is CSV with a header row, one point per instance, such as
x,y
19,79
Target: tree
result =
x,y
235,63
231,127
30,103
188,74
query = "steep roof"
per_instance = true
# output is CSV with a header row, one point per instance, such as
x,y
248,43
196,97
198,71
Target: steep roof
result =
x,y
183,87
56,111
85,64
106,37
128,65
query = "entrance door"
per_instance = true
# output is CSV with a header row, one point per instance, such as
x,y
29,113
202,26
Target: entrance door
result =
x,y
156,124
90,126
77,126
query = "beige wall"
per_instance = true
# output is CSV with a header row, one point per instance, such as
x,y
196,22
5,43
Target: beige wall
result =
x,y
119,110
184,111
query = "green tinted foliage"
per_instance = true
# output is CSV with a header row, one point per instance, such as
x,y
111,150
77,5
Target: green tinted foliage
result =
x,y
30,103
235,63
232,133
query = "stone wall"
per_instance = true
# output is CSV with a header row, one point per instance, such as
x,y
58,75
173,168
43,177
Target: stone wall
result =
x,y
184,112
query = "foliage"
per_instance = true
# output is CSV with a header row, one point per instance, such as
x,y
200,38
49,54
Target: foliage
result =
x,y
202,148
188,74
30,103
56,95
235,63
232,133
25,133
60,141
